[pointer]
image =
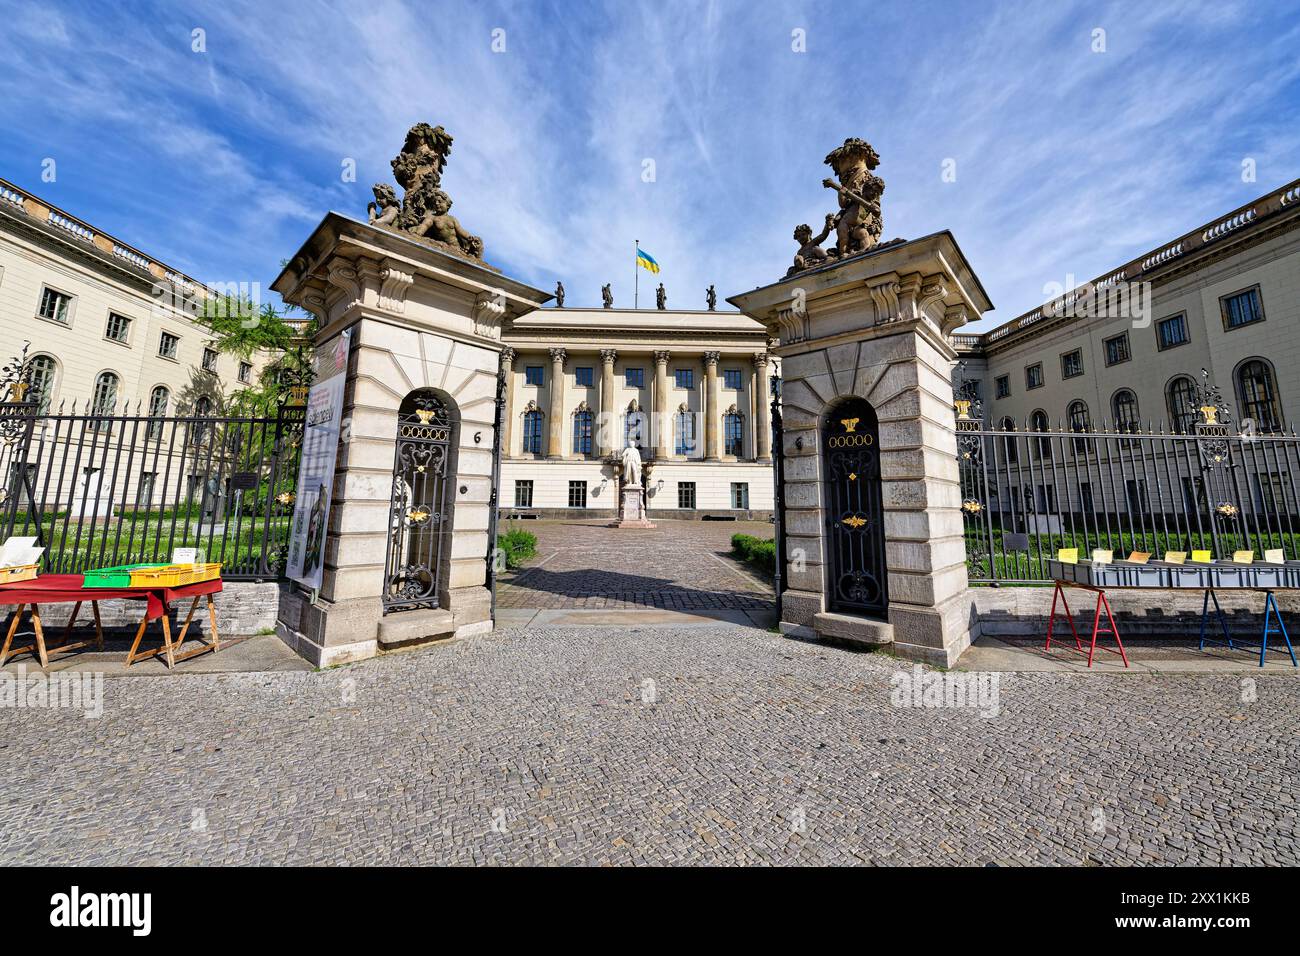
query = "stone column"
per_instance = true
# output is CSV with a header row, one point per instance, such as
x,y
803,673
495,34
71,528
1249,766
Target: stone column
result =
x,y
712,401
605,425
762,409
663,423
555,434
878,328
508,413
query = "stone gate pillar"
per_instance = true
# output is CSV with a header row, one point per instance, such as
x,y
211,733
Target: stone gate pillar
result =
x,y
875,326
422,319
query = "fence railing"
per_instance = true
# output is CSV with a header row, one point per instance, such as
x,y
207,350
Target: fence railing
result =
x,y
103,490
1026,494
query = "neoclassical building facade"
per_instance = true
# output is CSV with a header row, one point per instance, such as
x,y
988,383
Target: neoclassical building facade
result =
x,y
691,389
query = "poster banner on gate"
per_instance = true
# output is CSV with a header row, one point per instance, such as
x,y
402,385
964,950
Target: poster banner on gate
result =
x,y
320,446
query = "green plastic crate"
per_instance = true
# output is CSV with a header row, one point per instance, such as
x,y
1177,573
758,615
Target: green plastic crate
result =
x,y
118,577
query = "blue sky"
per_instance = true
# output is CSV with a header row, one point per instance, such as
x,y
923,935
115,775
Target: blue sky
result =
x,y
1068,161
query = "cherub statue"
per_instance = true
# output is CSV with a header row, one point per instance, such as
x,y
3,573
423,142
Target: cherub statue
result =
x,y
661,298
810,251
606,296
858,225
437,223
383,211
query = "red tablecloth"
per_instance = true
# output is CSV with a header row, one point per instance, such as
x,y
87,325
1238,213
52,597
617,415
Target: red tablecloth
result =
x,y
69,588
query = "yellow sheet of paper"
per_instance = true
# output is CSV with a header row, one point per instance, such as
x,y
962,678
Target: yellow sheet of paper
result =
x,y
1102,556
1274,556
1068,555
1139,557
1202,557
1243,557
1175,557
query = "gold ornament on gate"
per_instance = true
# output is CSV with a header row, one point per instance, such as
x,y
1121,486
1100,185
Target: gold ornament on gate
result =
x,y
284,498
417,515
855,522
850,424
971,506
1211,413
963,408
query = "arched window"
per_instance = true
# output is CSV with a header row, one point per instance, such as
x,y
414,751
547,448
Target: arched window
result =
x,y
1038,423
103,401
42,369
1180,394
1010,449
1124,409
533,432
634,430
582,432
159,399
733,432
1258,395
202,427
1080,422
685,432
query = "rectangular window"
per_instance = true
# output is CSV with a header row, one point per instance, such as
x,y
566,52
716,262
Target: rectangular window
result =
x,y
210,360
731,378
54,306
740,495
1072,364
168,345
583,376
1171,331
634,377
1002,386
1117,349
1241,308
245,373
1034,375
524,494
685,433
532,433
685,377
686,494
582,433
534,375
577,494
733,435
119,327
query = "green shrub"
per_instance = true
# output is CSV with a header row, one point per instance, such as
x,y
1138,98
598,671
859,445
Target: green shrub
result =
x,y
755,551
518,546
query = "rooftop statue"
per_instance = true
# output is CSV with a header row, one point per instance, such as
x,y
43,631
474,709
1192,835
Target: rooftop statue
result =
x,y
606,296
559,295
711,297
425,210
661,298
858,223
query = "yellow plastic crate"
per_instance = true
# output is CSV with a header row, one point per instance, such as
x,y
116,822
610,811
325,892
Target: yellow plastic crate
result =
x,y
19,572
174,575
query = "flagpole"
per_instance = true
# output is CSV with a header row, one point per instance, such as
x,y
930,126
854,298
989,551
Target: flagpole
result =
x,y
636,275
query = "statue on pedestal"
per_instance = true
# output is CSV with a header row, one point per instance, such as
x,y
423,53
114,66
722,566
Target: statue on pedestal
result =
x,y
858,223
661,298
631,465
711,297
606,296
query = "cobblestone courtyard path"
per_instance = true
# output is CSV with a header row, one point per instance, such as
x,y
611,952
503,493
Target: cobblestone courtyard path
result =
x,y
678,565
705,744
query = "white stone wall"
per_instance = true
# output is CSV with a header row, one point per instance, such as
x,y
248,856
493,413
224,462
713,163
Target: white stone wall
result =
x,y
712,484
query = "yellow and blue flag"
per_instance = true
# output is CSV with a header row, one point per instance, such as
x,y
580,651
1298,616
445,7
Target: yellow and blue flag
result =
x,y
646,261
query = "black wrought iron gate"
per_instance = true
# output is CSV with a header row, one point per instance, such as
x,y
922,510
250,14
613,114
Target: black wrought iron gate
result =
x,y
419,520
855,533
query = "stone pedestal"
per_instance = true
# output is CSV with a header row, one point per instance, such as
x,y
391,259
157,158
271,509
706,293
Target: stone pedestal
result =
x,y
631,511
877,326
420,319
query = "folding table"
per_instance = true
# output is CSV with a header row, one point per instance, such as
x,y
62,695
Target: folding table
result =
x,y
69,589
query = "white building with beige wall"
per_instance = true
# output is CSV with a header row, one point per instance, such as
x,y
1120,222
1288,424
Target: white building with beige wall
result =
x,y
691,389
109,325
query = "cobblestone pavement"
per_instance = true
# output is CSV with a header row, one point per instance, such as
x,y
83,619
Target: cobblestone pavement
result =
x,y
708,744
679,565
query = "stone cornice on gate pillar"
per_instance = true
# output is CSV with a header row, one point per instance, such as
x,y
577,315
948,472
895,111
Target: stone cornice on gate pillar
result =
x,y
877,326
347,269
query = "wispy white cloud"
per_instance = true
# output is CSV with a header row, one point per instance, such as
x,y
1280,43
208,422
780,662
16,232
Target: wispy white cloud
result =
x,y
1068,160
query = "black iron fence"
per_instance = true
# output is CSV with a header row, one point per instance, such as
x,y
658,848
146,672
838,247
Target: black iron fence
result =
x,y
1028,493
100,490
